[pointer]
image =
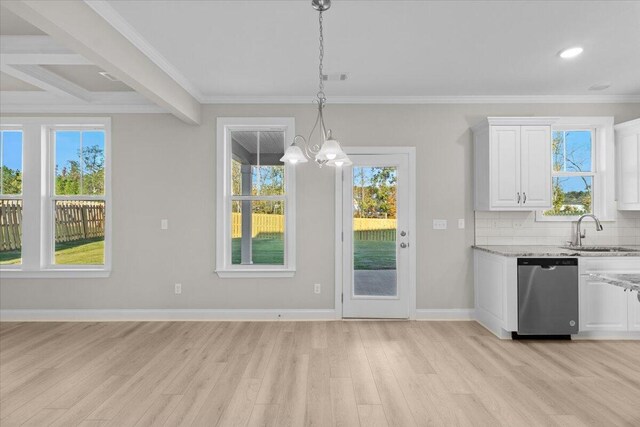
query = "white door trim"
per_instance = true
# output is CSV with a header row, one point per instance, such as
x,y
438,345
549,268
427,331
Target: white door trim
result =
x,y
411,152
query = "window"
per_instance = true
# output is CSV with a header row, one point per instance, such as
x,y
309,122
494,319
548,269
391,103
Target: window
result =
x,y
572,173
581,156
11,196
256,205
55,222
77,196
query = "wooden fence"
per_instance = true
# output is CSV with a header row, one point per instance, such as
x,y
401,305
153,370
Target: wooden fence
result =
x,y
264,226
374,229
272,227
10,225
75,220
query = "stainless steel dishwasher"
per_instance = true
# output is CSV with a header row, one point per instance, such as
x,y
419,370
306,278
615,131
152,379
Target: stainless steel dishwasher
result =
x,y
547,296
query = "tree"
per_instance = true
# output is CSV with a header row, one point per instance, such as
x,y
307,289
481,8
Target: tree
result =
x,y
374,192
93,173
11,181
84,177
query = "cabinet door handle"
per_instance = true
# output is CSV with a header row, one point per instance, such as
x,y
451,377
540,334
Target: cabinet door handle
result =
x,y
525,198
518,193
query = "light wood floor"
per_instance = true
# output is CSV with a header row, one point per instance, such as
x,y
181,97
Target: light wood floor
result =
x,y
309,373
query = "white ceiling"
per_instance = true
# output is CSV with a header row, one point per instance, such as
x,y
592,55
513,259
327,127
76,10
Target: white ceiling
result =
x,y
12,25
10,83
271,142
393,48
88,77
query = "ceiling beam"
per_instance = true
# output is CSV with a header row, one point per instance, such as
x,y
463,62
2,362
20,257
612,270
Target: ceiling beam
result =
x,y
101,102
39,76
37,50
78,27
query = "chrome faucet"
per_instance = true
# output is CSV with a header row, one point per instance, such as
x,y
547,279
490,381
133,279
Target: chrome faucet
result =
x,y
582,234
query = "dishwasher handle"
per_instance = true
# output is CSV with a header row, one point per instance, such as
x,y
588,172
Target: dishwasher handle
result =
x,y
548,263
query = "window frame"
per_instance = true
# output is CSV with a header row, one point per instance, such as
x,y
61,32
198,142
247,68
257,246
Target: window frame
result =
x,y
224,197
38,192
602,159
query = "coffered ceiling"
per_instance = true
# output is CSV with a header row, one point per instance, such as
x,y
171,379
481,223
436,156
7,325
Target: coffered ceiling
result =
x,y
175,55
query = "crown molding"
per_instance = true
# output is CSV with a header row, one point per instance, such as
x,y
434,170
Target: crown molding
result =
x,y
109,14
456,99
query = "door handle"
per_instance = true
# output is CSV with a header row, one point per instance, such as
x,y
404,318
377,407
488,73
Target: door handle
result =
x,y
525,198
518,193
404,245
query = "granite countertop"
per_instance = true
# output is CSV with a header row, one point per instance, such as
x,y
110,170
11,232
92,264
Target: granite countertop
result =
x,y
630,281
555,251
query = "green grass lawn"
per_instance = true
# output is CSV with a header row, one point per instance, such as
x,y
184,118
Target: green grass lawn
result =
x,y
264,251
374,255
369,254
89,252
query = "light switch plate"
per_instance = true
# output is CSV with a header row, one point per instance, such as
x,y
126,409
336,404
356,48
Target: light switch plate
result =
x,y
461,223
439,224
164,224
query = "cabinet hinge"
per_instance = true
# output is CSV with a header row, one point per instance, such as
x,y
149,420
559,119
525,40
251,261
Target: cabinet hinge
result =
x,y
342,236
341,297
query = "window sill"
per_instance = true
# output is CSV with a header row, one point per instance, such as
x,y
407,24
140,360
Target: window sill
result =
x,y
255,274
569,218
54,274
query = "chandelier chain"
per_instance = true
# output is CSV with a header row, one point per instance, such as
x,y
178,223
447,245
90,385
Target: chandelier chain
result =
x,y
321,95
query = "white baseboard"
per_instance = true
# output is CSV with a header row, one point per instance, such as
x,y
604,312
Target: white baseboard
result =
x,y
100,315
445,314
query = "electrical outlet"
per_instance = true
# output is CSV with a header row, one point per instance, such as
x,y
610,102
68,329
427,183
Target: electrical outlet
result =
x,y
439,224
164,224
178,288
461,223
317,288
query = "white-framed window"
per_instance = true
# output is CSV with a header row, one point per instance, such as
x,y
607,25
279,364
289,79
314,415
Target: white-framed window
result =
x,y
582,169
64,215
255,198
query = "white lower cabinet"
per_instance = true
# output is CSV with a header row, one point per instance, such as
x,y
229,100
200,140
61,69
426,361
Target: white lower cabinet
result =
x,y
634,311
603,307
605,310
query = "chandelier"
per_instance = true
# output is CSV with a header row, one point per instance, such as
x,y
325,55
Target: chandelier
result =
x,y
328,150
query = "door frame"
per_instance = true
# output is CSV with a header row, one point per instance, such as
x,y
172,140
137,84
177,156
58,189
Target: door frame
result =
x,y
411,153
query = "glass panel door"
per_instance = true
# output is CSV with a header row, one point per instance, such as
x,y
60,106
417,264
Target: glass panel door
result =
x,y
374,231
375,244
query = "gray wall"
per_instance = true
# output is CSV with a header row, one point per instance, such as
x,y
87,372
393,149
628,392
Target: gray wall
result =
x,y
163,168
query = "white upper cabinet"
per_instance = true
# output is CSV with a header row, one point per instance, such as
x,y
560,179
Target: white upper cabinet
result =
x,y
535,166
505,162
513,163
628,165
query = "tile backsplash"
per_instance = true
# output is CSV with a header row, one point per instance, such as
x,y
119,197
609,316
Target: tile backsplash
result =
x,y
521,228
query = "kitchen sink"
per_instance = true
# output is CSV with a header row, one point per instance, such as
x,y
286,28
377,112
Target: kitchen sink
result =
x,y
599,249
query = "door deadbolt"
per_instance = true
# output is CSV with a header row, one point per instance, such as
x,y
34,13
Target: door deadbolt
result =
x,y
403,245
403,233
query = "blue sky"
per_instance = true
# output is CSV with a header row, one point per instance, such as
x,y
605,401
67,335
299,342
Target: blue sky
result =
x,y
68,145
577,146
12,149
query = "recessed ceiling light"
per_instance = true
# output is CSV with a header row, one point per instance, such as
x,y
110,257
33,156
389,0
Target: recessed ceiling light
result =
x,y
600,86
571,52
108,76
